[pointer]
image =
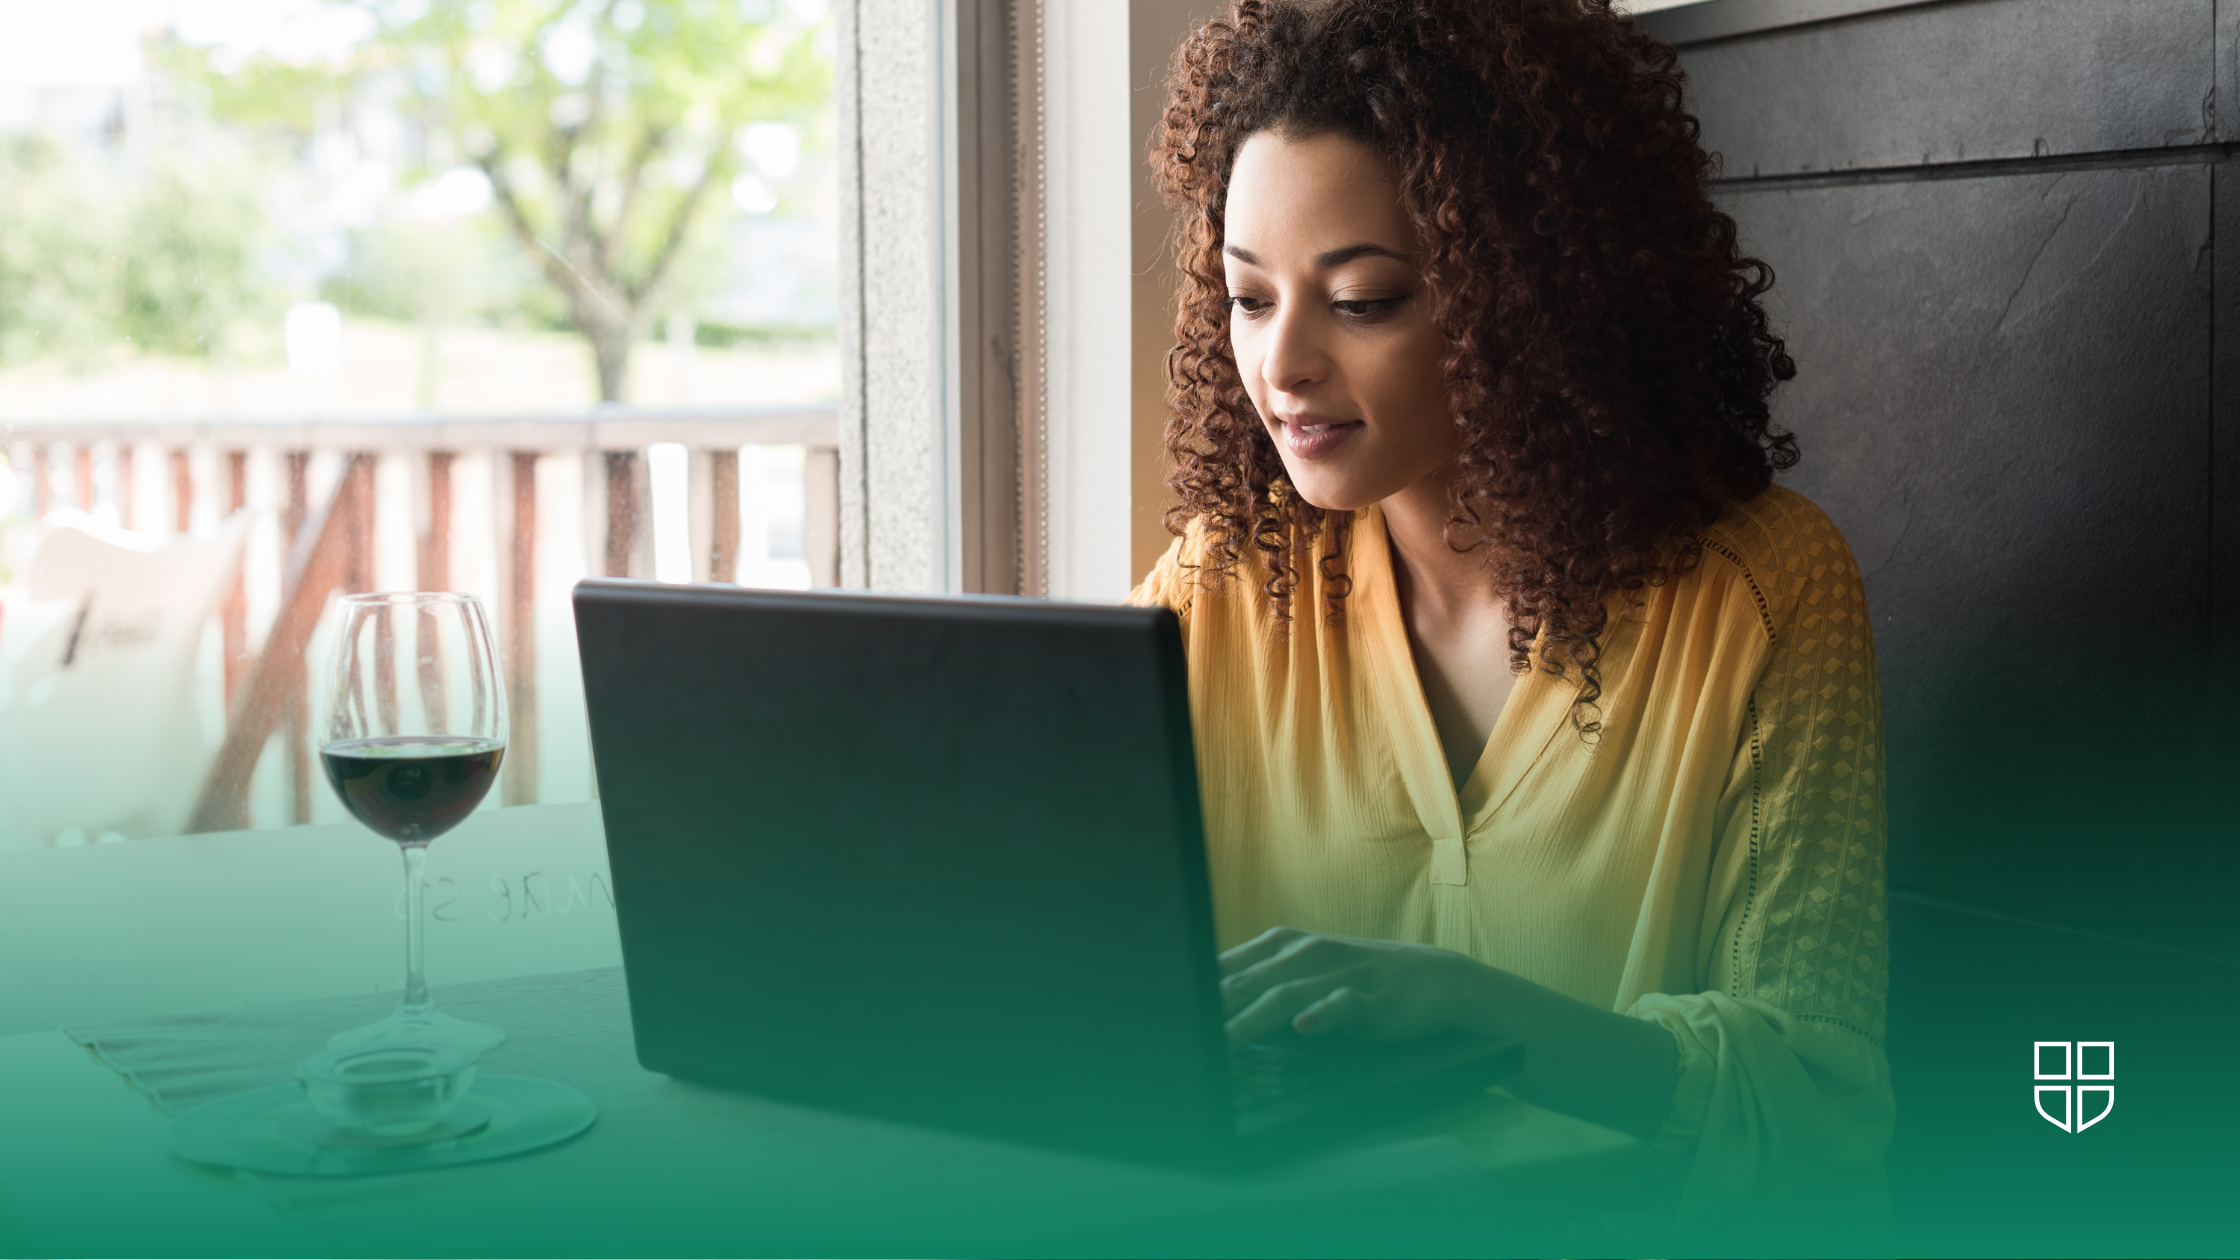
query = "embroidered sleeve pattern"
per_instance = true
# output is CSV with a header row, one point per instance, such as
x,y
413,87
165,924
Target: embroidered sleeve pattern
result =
x,y
1814,938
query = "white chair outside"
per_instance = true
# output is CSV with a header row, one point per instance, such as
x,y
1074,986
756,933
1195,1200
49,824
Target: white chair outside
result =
x,y
105,729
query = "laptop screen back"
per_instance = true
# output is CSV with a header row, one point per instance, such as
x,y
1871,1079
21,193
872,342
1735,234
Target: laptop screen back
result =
x,y
933,859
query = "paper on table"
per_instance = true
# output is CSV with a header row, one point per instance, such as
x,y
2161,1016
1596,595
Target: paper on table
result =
x,y
556,1025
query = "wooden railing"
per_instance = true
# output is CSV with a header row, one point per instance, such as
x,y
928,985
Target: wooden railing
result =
x,y
328,538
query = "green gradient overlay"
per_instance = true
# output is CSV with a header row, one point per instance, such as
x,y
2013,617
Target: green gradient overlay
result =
x,y
220,922
82,1169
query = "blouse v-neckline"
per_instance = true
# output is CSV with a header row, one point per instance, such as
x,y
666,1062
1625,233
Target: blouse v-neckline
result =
x,y
1535,710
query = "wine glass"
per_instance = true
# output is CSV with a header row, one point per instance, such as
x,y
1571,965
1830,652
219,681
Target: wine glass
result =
x,y
417,732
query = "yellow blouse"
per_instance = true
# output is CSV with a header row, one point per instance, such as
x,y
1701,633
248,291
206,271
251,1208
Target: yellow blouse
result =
x,y
1713,863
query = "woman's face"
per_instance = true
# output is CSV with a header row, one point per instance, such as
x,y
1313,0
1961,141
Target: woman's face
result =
x,y
1330,320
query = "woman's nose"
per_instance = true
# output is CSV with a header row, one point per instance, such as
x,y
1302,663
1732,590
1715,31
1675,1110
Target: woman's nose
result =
x,y
1296,358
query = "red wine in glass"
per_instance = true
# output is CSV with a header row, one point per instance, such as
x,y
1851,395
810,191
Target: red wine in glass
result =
x,y
416,731
412,788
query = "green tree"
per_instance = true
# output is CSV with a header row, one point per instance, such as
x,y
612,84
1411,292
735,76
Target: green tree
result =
x,y
432,274
54,262
604,127
188,265
165,262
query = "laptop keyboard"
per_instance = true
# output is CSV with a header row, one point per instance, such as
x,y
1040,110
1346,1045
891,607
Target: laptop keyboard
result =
x,y
1260,1076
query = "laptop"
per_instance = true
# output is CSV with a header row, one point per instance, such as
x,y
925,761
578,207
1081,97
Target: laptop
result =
x,y
940,860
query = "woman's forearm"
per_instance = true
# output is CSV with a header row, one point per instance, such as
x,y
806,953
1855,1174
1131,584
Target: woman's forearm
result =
x,y
1580,1060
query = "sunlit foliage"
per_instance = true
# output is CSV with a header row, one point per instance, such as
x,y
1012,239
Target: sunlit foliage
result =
x,y
604,129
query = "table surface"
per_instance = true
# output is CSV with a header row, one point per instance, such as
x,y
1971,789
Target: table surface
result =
x,y
670,1167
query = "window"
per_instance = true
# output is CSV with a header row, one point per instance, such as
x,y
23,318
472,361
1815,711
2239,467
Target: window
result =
x,y
554,287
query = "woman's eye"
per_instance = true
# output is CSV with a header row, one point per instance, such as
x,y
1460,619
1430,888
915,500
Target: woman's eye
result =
x,y
1249,305
1368,308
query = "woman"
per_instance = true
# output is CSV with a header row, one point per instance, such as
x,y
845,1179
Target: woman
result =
x,y
1526,703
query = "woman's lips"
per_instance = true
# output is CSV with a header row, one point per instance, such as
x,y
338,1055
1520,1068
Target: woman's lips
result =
x,y
1312,437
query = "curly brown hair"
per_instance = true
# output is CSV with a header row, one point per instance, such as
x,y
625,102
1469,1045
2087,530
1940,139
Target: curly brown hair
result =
x,y
1609,360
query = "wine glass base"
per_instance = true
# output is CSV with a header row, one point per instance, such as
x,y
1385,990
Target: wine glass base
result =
x,y
424,1028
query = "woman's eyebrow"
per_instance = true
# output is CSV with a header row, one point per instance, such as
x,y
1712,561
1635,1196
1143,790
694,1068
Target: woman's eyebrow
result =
x,y
1339,257
1325,261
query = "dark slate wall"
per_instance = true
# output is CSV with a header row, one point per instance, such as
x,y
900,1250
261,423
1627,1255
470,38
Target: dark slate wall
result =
x,y
2004,401
1994,225
1961,81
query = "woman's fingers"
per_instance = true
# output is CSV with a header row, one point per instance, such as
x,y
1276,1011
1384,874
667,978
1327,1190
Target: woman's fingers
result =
x,y
1375,990
1295,956
1259,949
1273,1009
1343,1007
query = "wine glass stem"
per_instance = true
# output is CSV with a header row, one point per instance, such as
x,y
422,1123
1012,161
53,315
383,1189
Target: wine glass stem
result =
x,y
415,929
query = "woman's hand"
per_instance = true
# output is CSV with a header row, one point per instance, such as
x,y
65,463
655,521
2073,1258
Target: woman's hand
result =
x,y
1379,991
1579,1059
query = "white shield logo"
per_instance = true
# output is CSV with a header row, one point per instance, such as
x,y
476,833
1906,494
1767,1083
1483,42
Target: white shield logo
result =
x,y
2073,1108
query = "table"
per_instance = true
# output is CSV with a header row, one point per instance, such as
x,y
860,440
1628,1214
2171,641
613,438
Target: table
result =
x,y
676,1168
246,918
